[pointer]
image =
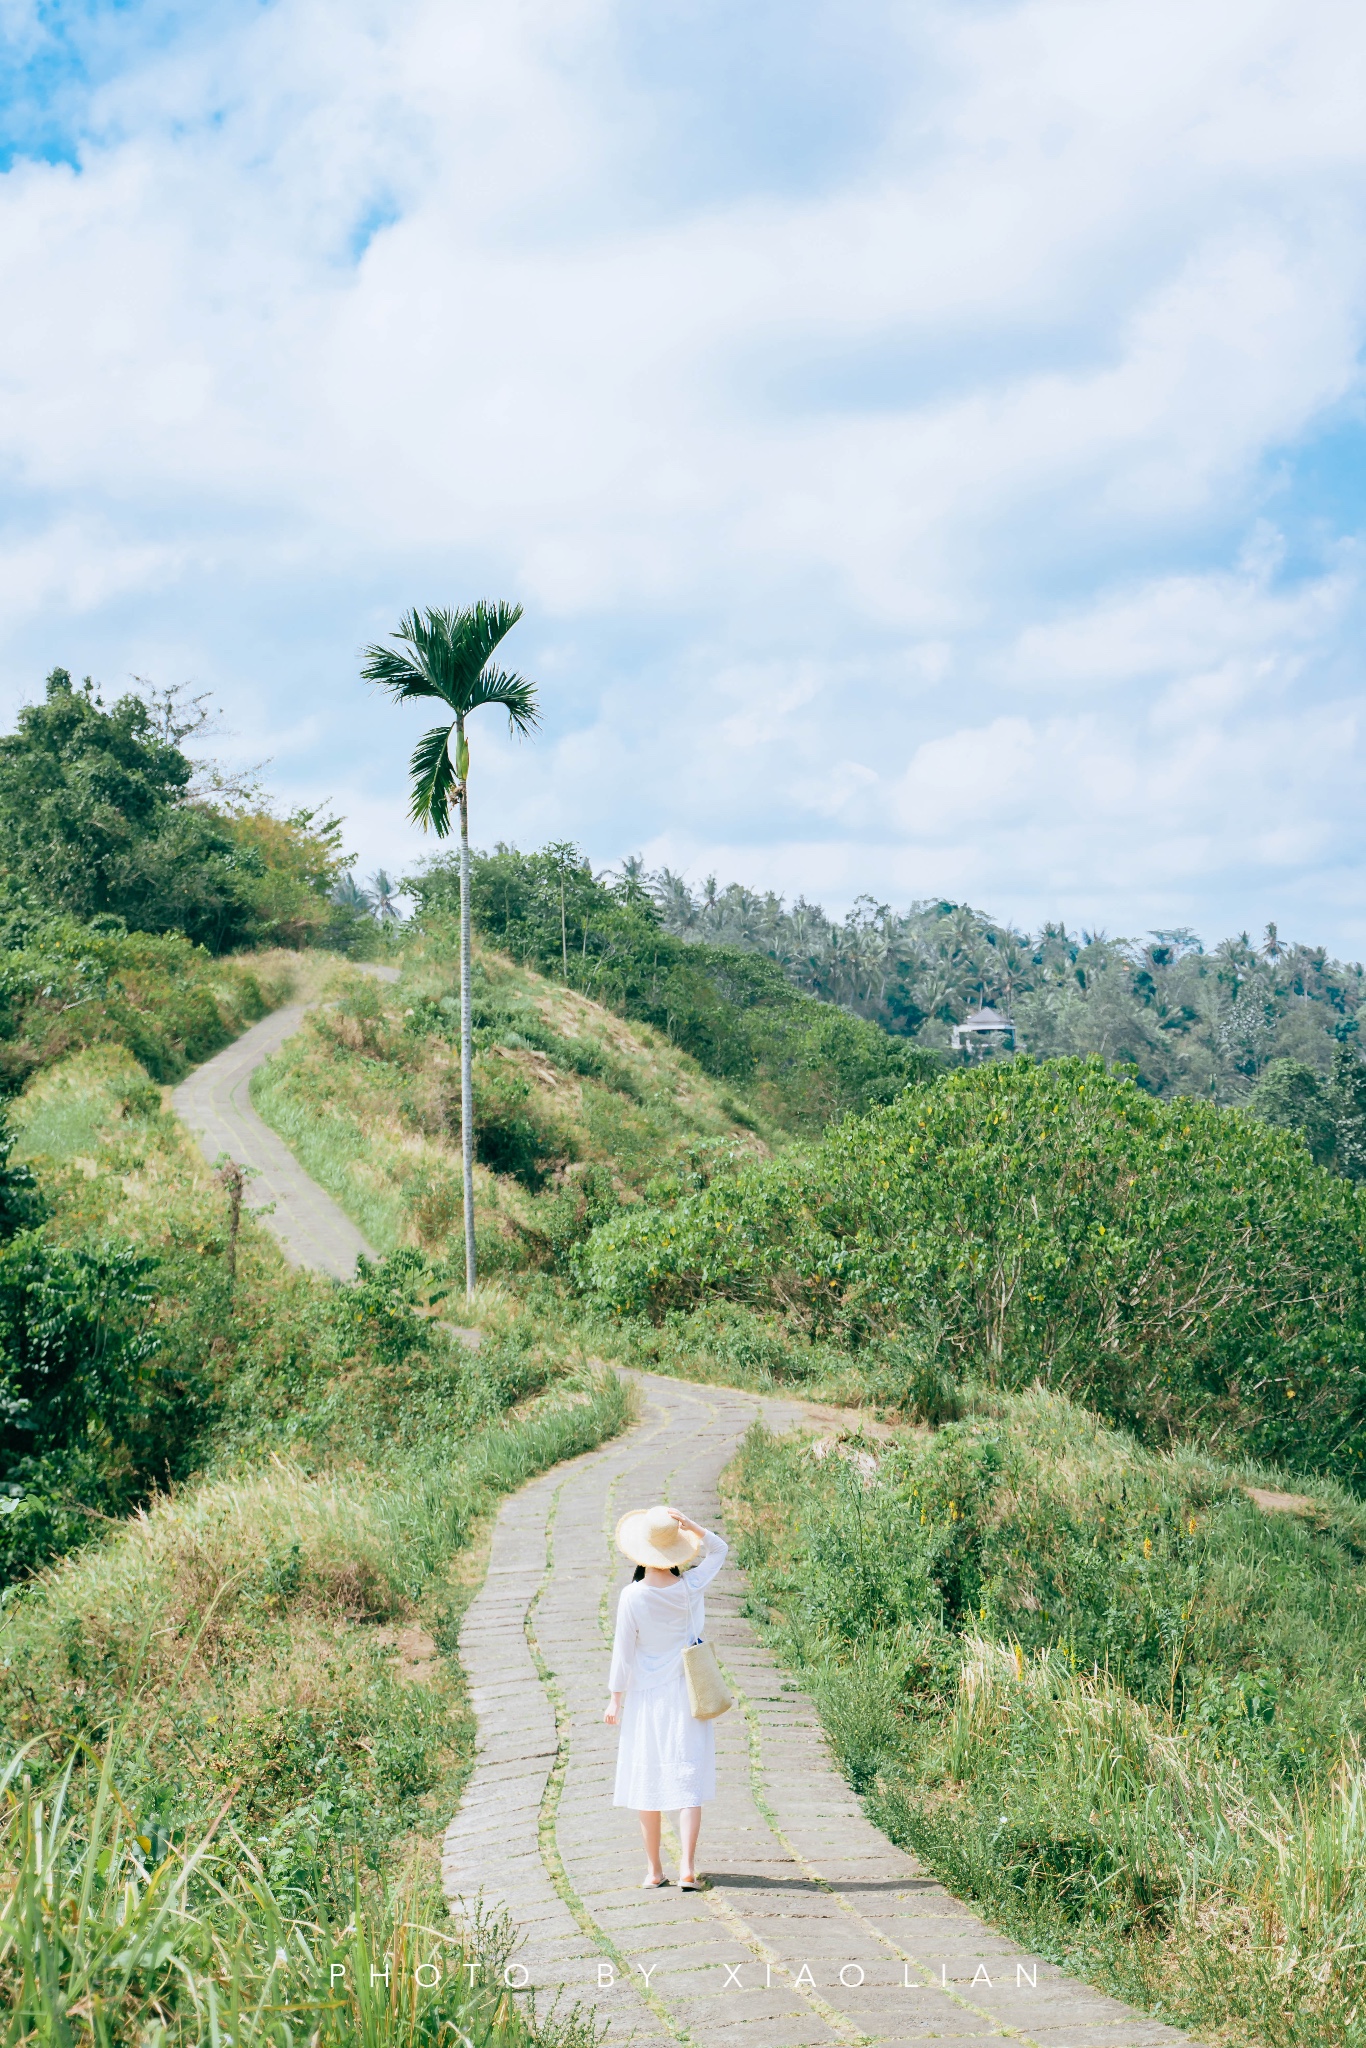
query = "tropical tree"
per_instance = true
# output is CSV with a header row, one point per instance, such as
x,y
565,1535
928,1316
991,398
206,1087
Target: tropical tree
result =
x,y
447,656
348,894
563,859
382,895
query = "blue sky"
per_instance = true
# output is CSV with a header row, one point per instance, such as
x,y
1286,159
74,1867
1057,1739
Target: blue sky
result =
x,y
929,442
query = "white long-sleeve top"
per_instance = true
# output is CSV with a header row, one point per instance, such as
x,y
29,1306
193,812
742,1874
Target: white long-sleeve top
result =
x,y
656,1623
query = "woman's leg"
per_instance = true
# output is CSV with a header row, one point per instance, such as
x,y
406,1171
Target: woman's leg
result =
x,y
649,1827
689,1828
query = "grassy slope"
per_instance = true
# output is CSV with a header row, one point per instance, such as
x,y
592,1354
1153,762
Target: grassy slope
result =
x,y
1102,1691
367,1094
1173,1747
258,1633
167,1002
1182,1825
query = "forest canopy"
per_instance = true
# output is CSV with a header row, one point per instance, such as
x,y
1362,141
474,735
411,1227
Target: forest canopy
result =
x,y
1272,1027
1191,1021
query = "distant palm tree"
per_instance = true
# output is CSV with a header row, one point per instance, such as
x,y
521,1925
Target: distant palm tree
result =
x,y
634,878
563,858
347,892
382,896
674,899
444,655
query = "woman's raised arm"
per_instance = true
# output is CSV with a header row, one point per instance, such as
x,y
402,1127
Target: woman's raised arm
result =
x,y
714,1553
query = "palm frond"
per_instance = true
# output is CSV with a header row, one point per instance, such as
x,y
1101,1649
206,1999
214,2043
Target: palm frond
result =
x,y
403,675
433,773
514,694
441,653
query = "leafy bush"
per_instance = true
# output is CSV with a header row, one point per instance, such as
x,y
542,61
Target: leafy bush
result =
x,y
64,985
512,1133
91,1416
20,1203
1178,1266
548,1236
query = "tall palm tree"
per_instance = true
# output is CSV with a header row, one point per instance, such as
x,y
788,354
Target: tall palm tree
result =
x,y
445,655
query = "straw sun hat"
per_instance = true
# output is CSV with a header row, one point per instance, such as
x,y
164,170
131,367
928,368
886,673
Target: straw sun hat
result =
x,y
652,1536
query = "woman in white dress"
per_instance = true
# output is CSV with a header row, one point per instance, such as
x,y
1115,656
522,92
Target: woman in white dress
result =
x,y
666,1759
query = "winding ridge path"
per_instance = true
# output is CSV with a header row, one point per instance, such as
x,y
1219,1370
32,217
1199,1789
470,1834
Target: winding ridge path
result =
x,y
816,1929
215,1102
816,1932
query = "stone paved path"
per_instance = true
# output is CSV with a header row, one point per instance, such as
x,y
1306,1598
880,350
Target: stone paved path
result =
x,y
215,1102
816,1929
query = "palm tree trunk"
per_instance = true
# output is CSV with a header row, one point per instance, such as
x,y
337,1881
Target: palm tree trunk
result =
x,y
466,1040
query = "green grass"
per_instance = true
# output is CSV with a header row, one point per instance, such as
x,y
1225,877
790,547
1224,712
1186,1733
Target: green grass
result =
x,y
240,1660
66,1114
332,1124
170,1004
262,1613
1101,1691
235,1719
573,1108
729,1346
113,1934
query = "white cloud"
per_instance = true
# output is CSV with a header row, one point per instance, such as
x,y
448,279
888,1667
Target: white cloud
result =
x,y
906,523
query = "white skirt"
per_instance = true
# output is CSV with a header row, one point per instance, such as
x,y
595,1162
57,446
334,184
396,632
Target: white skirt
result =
x,y
666,1758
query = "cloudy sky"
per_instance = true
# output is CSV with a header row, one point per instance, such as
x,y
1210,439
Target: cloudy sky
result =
x,y
928,439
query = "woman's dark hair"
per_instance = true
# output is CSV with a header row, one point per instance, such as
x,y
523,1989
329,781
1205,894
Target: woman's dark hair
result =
x,y
639,1573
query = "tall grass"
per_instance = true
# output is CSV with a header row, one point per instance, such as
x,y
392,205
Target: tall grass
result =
x,y
1099,1691
234,1721
223,1785
113,1935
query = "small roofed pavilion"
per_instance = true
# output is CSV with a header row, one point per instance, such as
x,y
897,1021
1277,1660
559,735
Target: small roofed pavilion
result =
x,y
986,1030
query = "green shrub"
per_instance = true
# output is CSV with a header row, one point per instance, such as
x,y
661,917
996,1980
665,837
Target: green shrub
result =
x,y
89,1416
20,1204
560,1222
65,985
1178,1266
512,1133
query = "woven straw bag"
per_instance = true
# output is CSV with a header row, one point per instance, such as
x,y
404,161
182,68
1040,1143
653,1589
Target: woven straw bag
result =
x,y
707,1694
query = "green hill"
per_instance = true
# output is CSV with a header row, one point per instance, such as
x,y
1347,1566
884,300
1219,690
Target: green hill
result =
x,y
575,1109
1104,1673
